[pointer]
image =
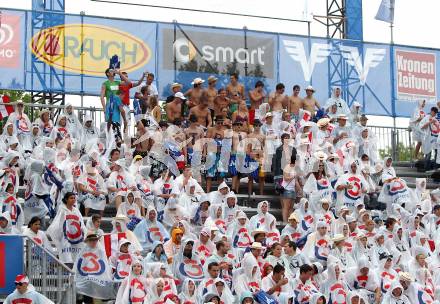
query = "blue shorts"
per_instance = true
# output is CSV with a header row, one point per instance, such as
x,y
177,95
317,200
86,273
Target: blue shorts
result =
x,y
211,172
232,168
289,194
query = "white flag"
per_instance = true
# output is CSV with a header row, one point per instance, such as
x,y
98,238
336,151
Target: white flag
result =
x,y
386,11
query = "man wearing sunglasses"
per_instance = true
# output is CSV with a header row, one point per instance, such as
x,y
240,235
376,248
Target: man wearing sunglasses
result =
x,y
24,293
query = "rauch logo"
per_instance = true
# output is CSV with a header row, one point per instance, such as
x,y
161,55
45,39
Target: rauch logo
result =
x,y
10,32
60,47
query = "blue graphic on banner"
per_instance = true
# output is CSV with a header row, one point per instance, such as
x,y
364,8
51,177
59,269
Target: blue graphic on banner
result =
x,y
11,261
386,80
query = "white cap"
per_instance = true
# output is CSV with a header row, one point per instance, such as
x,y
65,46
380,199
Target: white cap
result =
x,y
310,88
197,80
180,95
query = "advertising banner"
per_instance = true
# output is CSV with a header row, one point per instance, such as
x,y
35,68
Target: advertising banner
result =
x,y
71,54
11,261
416,75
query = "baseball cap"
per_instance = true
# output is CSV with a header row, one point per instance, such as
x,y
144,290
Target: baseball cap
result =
x,y
21,278
180,95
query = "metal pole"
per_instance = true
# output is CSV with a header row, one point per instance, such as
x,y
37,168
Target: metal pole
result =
x,y
82,57
245,47
309,46
393,93
174,51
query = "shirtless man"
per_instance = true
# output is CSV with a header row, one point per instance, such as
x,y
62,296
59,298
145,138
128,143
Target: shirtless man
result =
x,y
278,100
195,93
255,152
216,133
202,111
142,141
221,101
174,108
238,135
295,103
235,91
194,132
310,103
212,93
256,96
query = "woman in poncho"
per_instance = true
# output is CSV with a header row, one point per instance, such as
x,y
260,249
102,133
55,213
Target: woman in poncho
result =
x,y
67,230
188,294
335,288
133,288
186,264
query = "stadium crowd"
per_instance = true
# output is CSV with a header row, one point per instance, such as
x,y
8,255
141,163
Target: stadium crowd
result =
x,y
350,230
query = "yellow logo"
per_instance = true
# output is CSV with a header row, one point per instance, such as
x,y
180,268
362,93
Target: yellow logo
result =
x,y
87,48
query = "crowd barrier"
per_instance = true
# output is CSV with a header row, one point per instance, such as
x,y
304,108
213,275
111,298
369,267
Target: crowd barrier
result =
x,y
48,275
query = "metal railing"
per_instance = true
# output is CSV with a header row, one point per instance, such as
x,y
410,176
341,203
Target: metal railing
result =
x,y
49,275
392,141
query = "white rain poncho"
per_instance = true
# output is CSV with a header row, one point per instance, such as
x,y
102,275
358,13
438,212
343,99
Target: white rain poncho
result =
x,y
67,231
72,121
230,208
134,288
93,196
189,198
350,197
216,218
364,284
148,231
44,126
30,296
240,234
317,188
93,274
429,142
22,126
367,144
144,185
342,107
8,228
317,247
390,298
40,238
88,133
173,213
187,266
121,262
249,279
305,215
187,297
262,220
415,122
335,288
129,208
8,133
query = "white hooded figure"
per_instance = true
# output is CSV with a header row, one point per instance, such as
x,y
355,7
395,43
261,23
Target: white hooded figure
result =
x,y
93,188
367,144
317,247
188,294
173,213
355,112
5,223
22,126
89,132
129,208
230,208
395,294
335,288
134,288
417,132
363,279
144,185
350,187
249,279
221,289
423,196
240,234
431,126
156,292
8,133
73,123
186,264
342,107
420,270
317,185
67,231
263,219
219,196
189,199
25,293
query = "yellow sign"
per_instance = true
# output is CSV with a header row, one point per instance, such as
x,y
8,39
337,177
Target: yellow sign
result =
x,y
87,48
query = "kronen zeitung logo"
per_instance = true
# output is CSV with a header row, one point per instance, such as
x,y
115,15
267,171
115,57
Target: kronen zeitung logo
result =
x,y
60,46
185,51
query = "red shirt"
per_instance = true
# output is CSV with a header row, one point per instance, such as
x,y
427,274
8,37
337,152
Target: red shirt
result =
x,y
124,90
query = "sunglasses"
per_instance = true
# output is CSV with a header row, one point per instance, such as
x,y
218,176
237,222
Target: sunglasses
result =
x,y
19,284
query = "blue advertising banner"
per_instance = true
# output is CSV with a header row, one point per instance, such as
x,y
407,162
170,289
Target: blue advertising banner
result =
x,y
69,53
11,261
